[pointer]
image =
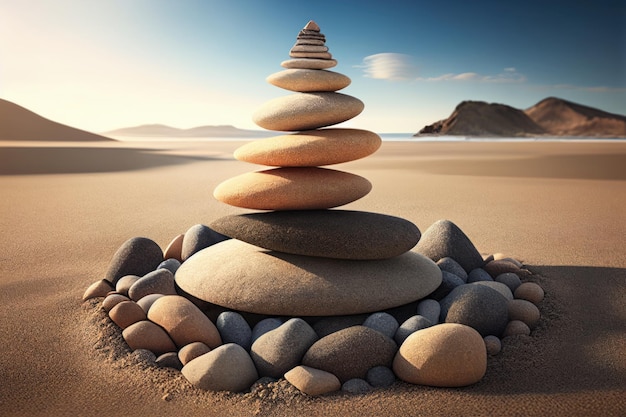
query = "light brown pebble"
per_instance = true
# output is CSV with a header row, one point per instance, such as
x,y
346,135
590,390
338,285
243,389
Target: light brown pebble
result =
x,y
495,268
310,148
124,283
318,55
126,313
312,381
300,188
493,345
147,335
525,311
146,302
516,328
174,248
191,351
309,63
98,289
112,300
530,291
502,257
308,80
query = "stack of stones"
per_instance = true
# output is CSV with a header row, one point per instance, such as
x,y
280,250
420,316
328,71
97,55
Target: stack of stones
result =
x,y
301,257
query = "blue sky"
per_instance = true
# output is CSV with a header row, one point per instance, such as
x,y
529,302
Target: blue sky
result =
x,y
101,65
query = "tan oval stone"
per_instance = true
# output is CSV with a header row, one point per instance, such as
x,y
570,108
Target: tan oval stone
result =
x,y
530,291
174,248
445,355
308,80
309,63
524,311
312,381
147,335
243,277
112,300
126,313
305,111
98,289
183,321
303,188
310,148
191,351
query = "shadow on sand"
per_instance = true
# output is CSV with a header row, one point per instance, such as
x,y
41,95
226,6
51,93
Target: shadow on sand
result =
x,y
76,160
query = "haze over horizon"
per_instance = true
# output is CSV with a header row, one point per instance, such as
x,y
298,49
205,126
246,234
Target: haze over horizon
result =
x,y
101,66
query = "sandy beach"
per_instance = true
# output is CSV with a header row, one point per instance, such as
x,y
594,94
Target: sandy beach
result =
x,y
66,207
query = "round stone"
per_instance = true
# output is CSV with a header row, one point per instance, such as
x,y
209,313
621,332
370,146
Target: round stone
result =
x,y
524,311
495,268
292,189
137,256
160,281
147,335
170,264
265,326
351,352
509,279
124,283
449,282
478,274
169,360
410,326
382,322
198,237
126,313
339,234
183,321
430,309
191,351
380,377
214,371
445,355
312,381
309,63
234,329
112,300
310,148
243,277
492,344
356,386
498,286
530,291
516,328
331,324
146,302
307,80
305,111
450,265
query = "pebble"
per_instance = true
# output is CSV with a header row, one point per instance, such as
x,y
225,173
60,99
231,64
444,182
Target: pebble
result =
x,y
306,111
303,188
493,345
351,352
478,274
125,282
234,328
191,351
310,148
516,328
449,282
281,349
146,302
213,371
198,237
126,313
356,386
169,360
183,321
445,355
147,335
312,381
309,80
498,286
524,311
380,377
382,322
112,300
509,279
530,291
309,63
495,268
327,325
136,256
410,326
445,239
98,289
338,234
160,281
170,264
450,265
430,309
265,326
174,249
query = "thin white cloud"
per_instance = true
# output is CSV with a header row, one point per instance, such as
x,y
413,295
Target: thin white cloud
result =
x,y
509,75
388,66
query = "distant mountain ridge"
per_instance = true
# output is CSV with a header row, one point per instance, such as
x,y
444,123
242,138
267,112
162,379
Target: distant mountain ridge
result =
x,y
550,117
20,124
158,130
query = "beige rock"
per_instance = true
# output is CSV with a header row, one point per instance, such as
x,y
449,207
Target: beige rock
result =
x,y
243,277
147,335
310,148
174,248
529,291
305,111
124,283
312,381
309,63
305,188
126,313
183,321
308,80
146,302
112,300
516,328
445,355
309,48
98,289
311,25
319,55
191,351
524,311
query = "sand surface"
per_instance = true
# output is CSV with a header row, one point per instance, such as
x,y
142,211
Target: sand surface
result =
x,y
66,207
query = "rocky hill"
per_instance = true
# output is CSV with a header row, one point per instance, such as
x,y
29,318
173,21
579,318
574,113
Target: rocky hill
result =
x,y
549,117
18,123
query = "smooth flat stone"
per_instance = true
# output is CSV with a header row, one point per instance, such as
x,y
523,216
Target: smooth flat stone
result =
x,y
305,111
309,63
243,277
339,234
310,41
292,189
310,148
321,55
309,48
307,80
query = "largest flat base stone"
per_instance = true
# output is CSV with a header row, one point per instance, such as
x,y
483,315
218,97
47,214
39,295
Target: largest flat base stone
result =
x,y
243,277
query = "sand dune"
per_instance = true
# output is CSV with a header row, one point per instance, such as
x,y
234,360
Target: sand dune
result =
x,y
535,201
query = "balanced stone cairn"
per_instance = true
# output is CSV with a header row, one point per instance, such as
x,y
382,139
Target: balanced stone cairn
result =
x,y
304,291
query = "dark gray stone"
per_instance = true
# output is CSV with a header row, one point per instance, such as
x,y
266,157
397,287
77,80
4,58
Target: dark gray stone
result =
x,y
136,256
509,279
170,264
382,322
445,239
264,326
351,352
234,329
331,324
356,386
430,309
449,282
282,349
498,286
169,360
453,267
160,281
478,274
340,234
476,306
198,237
380,377
411,325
